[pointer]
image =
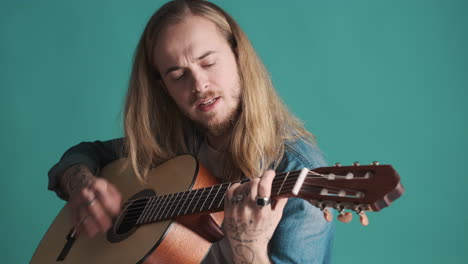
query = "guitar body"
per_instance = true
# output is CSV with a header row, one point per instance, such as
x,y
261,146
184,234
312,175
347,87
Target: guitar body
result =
x,y
169,241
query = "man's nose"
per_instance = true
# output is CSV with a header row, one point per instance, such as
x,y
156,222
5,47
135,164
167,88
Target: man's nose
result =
x,y
200,81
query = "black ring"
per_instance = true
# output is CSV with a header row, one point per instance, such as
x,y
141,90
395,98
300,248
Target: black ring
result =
x,y
263,201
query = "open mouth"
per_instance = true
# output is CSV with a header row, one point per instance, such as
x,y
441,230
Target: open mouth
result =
x,y
209,102
208,105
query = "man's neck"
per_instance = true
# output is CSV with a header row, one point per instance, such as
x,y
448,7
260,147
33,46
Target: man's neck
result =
x,y
216,142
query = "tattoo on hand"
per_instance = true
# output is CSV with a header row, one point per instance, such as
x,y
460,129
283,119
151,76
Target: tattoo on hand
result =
x,y
238,228
245,194
76,178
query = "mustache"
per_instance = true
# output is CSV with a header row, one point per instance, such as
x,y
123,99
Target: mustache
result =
x,y
201,96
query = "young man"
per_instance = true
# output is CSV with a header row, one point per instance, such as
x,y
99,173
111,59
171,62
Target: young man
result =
x,y
198,87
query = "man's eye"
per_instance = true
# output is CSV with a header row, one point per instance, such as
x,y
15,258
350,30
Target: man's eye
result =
x,y
177,75
208,65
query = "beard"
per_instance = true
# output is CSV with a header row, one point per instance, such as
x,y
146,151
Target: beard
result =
x,y
219,128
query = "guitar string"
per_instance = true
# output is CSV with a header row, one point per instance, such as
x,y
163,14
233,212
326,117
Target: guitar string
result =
x,y
171,208
173,202
293,173
278,177
289,185
184,195
144,202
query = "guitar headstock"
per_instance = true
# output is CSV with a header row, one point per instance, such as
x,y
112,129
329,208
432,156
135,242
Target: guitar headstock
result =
x,y
357,188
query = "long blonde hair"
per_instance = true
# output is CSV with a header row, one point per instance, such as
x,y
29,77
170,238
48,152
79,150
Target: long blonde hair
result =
x,y
156,130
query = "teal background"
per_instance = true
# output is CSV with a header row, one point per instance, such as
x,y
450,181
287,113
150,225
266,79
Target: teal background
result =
x,y
373,80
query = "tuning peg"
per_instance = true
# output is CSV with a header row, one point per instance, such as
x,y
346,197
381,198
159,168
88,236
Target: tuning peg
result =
x,y
327,215
363,218
345,217
376,163
356,163
337,164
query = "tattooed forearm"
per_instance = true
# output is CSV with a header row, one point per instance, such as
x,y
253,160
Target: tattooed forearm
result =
x,y
75,178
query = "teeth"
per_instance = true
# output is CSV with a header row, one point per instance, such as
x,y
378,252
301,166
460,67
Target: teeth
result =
x,y
209,102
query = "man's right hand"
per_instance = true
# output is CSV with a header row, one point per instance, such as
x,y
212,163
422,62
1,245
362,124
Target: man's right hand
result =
x,y
93,201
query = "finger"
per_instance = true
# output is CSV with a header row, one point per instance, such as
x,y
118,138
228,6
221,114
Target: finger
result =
x,y
228,199
98,219
96,210
264,186
88,196
83,222
78,205
88,226
231,190
78,198
253,189
279,204
108,195
102,220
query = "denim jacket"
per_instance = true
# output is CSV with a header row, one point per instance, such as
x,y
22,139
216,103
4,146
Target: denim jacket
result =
x,y
302,235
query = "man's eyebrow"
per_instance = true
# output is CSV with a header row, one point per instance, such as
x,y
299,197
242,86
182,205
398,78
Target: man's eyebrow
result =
x,y
204,55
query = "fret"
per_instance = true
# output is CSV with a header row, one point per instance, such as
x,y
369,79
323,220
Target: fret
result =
x,y
166,206
154,210
224,194
142,212
172,205
141,215
207,197
149,206
188,206
161,207
195,206
284,180
177,206
185,200
216,195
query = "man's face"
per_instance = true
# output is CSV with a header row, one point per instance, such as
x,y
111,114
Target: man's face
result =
x,y
199,70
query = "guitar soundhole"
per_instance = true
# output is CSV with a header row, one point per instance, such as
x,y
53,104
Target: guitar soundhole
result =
x,y
126,223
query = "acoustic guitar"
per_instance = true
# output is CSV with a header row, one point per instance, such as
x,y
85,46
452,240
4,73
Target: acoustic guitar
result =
x,y
177,216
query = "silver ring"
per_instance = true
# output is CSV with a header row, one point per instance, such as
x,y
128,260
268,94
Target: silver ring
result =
x,y
83,219
263,201
91,202
237,198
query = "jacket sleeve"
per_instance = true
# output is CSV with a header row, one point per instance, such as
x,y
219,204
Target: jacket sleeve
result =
x,y
303,235
94,155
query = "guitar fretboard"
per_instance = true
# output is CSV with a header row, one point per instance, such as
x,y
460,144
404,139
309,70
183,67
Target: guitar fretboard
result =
x,y
211,199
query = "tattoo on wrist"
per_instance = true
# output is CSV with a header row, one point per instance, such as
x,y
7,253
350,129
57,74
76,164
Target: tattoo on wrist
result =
x,y
244,240
244,254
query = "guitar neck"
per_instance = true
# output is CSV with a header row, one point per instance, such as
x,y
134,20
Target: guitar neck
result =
x,y
211,199
368,188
